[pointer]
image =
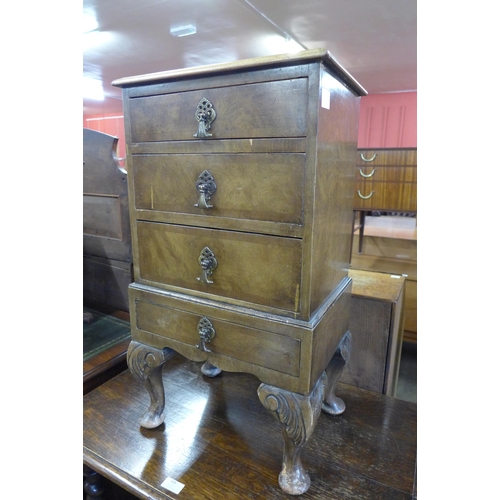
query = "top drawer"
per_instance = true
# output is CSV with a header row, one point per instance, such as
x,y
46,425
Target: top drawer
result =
x,y
270,109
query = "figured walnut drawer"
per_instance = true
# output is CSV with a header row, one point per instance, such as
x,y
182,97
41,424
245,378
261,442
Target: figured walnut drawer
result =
x,y
386,180
266,187
269,350
250,267
270,109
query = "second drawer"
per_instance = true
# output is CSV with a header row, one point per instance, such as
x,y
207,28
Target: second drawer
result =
x,y
263,187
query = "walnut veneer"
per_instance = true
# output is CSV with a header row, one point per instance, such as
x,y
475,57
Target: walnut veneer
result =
x,y
241,177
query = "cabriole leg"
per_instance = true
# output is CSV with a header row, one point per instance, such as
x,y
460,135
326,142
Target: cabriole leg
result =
x,y
298,416
146,363
333,404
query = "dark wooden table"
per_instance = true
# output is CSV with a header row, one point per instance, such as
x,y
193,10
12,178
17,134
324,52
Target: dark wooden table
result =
x,y
220,442
111,362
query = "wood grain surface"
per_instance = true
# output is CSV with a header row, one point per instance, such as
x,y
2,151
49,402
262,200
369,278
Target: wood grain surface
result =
x,y
220,442
260,269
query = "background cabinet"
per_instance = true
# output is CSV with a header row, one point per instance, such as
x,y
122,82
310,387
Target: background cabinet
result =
x,y
376,325
386,180
107,252
241,219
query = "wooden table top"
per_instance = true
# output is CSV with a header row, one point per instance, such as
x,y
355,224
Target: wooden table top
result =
x,y
220,442
374,285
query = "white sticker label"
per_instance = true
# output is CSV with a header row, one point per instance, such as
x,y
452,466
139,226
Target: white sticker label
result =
x,y
395,276
172,485
325,98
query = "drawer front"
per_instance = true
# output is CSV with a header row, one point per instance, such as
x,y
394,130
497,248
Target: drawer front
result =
x,y
249,267
392,157
242,186
269,350
386,174
270,109
393,196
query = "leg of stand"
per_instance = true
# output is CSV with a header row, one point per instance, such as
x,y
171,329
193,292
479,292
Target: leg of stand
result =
x,y
146,363
210,370
92,484
333,404
298,416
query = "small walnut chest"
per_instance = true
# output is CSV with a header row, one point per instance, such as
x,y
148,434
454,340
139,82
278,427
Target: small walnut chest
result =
x,y
240,184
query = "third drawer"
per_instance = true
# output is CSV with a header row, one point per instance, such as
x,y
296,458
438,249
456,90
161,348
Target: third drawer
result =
x,y
254,268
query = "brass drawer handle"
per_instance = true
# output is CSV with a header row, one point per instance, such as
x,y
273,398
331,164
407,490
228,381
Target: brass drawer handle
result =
x,y
205,115
208,263
205,185
371,159
365,197
206,331
367,175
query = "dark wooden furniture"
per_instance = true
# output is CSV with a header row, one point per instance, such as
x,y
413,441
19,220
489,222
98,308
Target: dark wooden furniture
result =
x,y
109,363
376,325
386,181
217,441
240,182
107,253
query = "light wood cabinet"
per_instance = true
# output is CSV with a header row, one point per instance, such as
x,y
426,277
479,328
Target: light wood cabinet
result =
x,y
386,180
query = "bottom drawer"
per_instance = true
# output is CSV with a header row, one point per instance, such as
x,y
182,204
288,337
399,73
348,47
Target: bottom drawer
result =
x,y
280,351
250,345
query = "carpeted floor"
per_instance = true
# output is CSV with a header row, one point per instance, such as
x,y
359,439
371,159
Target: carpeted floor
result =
x,y
101,331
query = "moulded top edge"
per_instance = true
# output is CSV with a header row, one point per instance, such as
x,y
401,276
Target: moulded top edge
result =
x,y
303,57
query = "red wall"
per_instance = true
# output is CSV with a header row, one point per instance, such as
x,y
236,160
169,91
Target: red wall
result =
x,y
385,121
388,121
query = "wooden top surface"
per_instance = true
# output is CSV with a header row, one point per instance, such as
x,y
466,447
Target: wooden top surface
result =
x,y
305,56
373,285
220,442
